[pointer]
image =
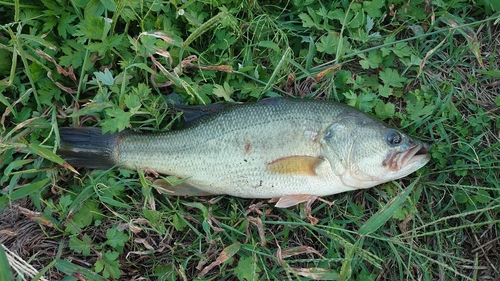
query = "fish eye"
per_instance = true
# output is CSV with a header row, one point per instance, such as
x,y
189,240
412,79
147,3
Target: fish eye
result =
x,y
394,138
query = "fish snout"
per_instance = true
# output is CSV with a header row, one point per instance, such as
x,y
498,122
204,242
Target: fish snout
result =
x,y
424,149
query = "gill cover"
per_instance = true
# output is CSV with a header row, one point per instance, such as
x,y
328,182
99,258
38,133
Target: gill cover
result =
x,y
341,143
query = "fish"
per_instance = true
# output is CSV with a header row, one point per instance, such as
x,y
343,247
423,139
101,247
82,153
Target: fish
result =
x,y
288,150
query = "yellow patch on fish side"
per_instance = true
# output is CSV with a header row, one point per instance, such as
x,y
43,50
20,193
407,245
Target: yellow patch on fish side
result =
x,y
295,165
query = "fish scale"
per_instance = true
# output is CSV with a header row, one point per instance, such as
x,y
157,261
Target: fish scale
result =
x,y
213,152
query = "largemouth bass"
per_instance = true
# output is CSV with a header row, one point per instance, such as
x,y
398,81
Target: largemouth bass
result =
x,y
287,149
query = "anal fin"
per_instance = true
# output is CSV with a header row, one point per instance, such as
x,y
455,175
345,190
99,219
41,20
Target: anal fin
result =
x,y
182,189
286,201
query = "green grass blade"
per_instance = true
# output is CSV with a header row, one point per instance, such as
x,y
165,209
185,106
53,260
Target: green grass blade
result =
x,y
276,71
45,153
205,27
49,155
71,269
382,216
5,270
27,189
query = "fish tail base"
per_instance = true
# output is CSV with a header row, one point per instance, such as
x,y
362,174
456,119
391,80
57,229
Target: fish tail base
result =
x,y
88,147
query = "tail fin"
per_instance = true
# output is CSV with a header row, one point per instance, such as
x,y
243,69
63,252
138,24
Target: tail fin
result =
x,y
88,147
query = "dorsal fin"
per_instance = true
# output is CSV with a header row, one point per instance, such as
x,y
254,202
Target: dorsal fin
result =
x,y
192,113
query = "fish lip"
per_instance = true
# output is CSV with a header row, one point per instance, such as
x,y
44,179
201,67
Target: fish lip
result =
x,y
396,160
424,148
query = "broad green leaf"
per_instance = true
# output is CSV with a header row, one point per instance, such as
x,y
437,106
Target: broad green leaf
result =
x,y
73,57
80,246
402,50
117,120
384,91
357,21
384,110
482,196
80,3
65,24
115,41
65,201
247,269
108,265
311,19
418,109
391,77
307,21
132,101
82,215
400,214
109,4
178,222
100,47
93,27
374,60
373,8
48,95
328,44
116,238
340,15
105,77
224,91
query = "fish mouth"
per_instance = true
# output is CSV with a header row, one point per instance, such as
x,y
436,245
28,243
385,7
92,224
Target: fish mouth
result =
x,y
398,160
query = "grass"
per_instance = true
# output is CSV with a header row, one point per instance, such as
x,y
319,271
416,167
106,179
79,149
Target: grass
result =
x,y
431,69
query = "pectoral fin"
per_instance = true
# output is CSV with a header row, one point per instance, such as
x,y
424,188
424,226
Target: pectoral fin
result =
x,y
182,189
295,165
292,200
